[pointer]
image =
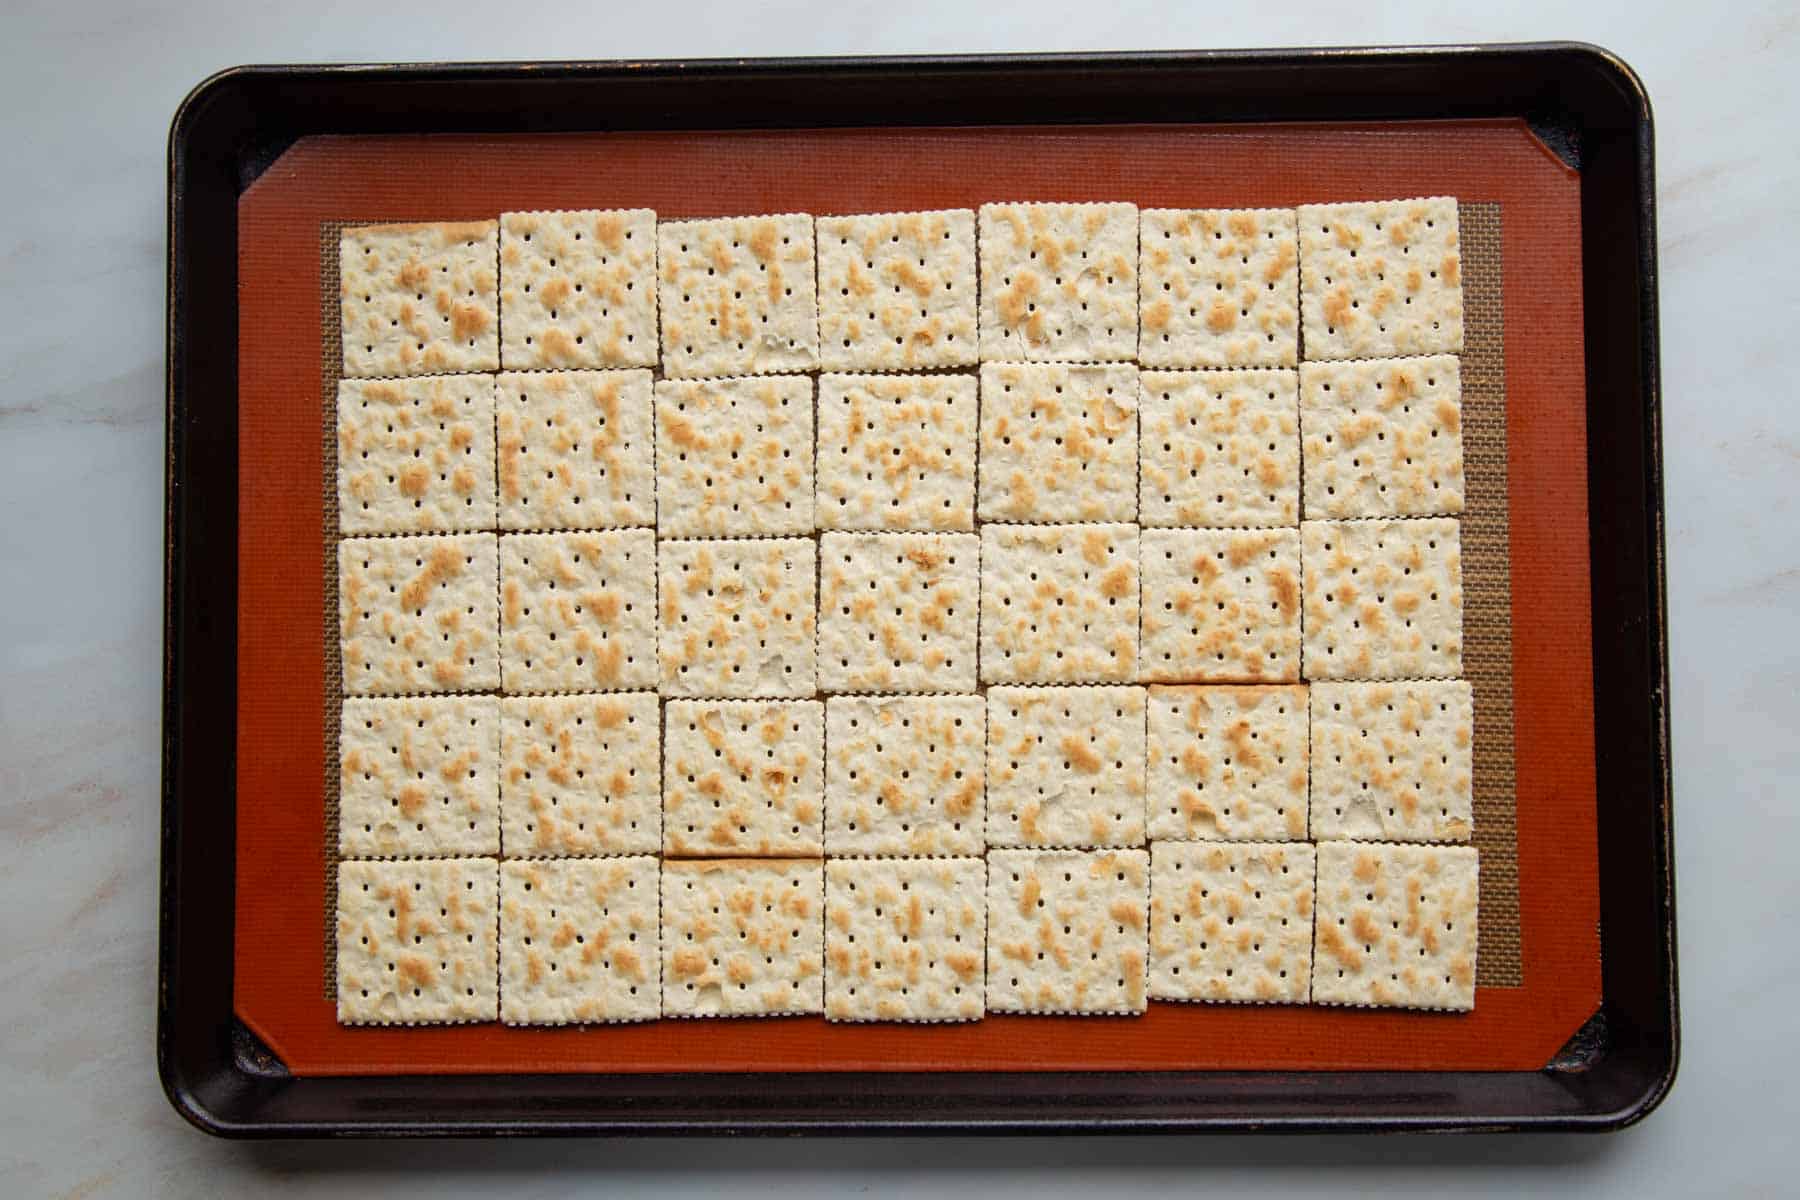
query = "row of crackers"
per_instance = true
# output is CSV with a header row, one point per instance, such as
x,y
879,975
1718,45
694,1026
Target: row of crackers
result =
x,y
1042,767
1026,442
588,941
902,291
622,610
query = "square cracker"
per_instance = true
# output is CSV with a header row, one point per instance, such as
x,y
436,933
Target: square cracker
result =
x,y
896,452
1392,761
904,939
1065,766
734,456
420,299
897,291
579,942
575,450
1067,931
1058,443
418,614
743,937
737,296
418,777
897,611
580,775
1059,603
415,455
1396,925
578,289
416,942
1383,437
1380,278
743,777
1059,282
1383,598
1231,921
578,611
1219,288
1219,448
1228,763
1221,605
904,774
737,617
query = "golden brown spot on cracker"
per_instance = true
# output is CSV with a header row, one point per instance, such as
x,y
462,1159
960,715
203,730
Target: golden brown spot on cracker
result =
x,y
555,292
682,432
1015,301
414,479
1029,896
1335,944
443,563
412,800
1080,754
1337,306
763,240
1280,264
558,345
610,229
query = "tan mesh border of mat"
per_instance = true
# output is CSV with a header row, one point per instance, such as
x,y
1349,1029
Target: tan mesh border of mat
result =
x,y
1486,579
1487,593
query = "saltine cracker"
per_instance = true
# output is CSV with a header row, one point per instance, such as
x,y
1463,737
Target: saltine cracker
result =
x,y
1219,288
417,941
418,614
1058,282
575,450
1221,605
415,455
578,611
1068,931
896,452
904,939
904,775
1396,925
1231,921
418,778
743,937
578,289
1059,603
419,299
1065,766
743,777
737,617
897,291
580,775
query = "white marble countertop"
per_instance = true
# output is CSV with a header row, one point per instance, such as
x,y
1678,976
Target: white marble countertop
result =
x,y
86,93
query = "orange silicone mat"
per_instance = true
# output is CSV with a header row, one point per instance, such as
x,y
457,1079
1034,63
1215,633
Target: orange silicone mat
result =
x,y
282,695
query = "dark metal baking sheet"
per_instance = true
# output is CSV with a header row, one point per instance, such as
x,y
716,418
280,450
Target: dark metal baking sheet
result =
x,y
1581,101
